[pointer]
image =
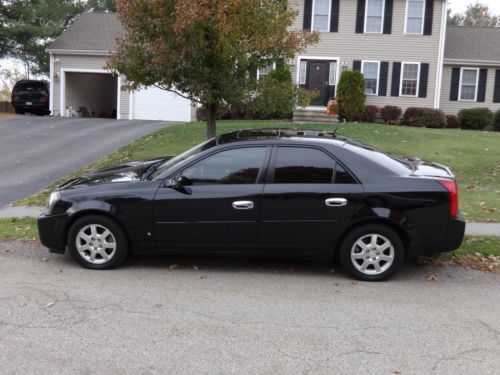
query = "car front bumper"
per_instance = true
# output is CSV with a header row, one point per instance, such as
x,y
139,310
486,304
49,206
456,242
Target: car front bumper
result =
x,y
52,231
451,241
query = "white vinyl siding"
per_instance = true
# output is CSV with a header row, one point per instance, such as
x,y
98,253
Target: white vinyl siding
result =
x,y
469,79
374,16
410,75
321,15
415,11
371,72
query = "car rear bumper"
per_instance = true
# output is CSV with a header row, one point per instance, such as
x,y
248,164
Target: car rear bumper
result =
x,y
451,241
35,104
52,232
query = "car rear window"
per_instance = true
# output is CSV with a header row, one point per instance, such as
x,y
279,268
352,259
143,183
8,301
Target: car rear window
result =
x,y
31,86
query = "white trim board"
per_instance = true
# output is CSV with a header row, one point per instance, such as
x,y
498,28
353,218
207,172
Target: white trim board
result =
x,y
309,57
403,63
460,83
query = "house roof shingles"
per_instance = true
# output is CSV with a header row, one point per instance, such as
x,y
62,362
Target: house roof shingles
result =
x,y
90,32
472,43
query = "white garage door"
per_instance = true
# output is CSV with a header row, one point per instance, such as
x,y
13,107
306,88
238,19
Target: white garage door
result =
x,y
156,104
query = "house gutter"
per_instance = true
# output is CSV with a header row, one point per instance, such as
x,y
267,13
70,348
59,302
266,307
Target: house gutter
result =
x,y
470,62
440,66
80,52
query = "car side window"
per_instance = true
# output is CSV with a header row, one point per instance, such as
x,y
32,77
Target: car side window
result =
x,y
235,166
296,165
342,176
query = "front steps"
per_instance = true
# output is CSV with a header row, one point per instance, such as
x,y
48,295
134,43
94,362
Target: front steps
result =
x,y
302,115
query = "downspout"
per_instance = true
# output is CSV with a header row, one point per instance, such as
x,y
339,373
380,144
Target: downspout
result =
x,y
51,88
440,67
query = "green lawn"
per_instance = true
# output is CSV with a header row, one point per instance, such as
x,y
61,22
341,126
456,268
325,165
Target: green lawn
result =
x,y
24,228
473,155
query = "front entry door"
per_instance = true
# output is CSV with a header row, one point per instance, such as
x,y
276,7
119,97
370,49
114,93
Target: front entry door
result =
x,y
318,80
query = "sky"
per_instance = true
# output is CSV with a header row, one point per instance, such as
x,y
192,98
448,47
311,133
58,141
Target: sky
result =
x,y
461,5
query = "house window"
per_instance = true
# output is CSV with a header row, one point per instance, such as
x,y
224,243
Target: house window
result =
x,y
415,10
264,71
469,78
409,79
302,72
374,16
321,15
332,77
370,70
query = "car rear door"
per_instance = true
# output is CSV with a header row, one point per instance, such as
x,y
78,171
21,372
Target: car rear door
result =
x,y
220,208
307,198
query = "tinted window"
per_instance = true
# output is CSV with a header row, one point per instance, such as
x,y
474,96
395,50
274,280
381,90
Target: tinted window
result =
x,y
342,176
237,166
31,86
296,165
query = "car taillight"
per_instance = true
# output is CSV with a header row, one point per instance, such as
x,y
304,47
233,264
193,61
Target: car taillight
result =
x,y
451,187
45,97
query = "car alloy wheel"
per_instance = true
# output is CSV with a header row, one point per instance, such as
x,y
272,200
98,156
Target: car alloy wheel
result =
x,y
96,244
372,254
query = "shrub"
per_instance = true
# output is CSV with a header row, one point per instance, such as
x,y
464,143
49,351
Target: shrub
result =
x,y
424,117
274,98
390,114
351,95
475,118
370,113
496,120
452,122
304,96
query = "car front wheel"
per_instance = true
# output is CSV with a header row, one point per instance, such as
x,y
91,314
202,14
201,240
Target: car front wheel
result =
x,y
372,252
97,242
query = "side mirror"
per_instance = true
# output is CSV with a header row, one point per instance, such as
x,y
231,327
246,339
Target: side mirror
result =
x,y
178,183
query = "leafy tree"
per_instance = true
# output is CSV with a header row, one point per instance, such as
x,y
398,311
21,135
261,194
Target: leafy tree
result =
x,y
476,15
351,95
205,50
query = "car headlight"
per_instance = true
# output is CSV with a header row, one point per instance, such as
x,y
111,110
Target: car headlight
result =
x,y
54,197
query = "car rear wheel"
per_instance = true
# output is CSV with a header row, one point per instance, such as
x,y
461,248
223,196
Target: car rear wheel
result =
x,y
372,252
97,242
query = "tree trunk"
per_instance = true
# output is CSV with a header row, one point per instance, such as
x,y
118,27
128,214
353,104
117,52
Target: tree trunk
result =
x,y
211,120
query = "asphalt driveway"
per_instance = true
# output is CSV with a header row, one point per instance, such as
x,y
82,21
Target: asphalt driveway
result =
x,y
35,151
237,316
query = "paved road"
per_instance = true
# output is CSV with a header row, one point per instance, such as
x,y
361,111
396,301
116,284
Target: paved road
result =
x,y
35,151
240,317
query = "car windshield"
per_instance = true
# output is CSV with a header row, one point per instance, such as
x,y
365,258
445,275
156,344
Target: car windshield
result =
x,y
182,157
31,86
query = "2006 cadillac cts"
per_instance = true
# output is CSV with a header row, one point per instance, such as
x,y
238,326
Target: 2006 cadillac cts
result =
x,y
266,192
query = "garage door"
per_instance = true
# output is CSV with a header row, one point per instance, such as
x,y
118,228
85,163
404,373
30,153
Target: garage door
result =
x,y
156,104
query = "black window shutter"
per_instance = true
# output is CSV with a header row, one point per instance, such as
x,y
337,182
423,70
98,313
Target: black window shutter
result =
x,y
455,83
356,65
308,6
382,79
334,19
388,16
496,93
481,90
424,79
360,17
396,78
429,14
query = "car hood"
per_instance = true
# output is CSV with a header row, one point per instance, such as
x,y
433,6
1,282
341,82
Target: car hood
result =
x,y
126,172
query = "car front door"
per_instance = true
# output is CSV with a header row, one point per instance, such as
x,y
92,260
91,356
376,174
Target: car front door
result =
x,y
218,209
307,198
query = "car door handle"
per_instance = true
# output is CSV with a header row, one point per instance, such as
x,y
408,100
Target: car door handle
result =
x,y
243,205
336,202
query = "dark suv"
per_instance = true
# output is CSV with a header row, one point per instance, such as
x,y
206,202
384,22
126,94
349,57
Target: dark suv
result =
x,y
30,96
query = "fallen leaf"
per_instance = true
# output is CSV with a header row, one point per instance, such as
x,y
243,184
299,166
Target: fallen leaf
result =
x,y
471,188
45,259
354,282
195,268
50,304
337,284
173,267
201,277
431,278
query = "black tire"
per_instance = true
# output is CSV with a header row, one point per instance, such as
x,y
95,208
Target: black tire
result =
x,y
354,257
118,237
19,111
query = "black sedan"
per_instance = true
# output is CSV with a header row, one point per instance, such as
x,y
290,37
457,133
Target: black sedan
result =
x,y
267,192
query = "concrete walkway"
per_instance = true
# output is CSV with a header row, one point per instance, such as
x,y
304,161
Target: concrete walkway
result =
x,y
472,229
